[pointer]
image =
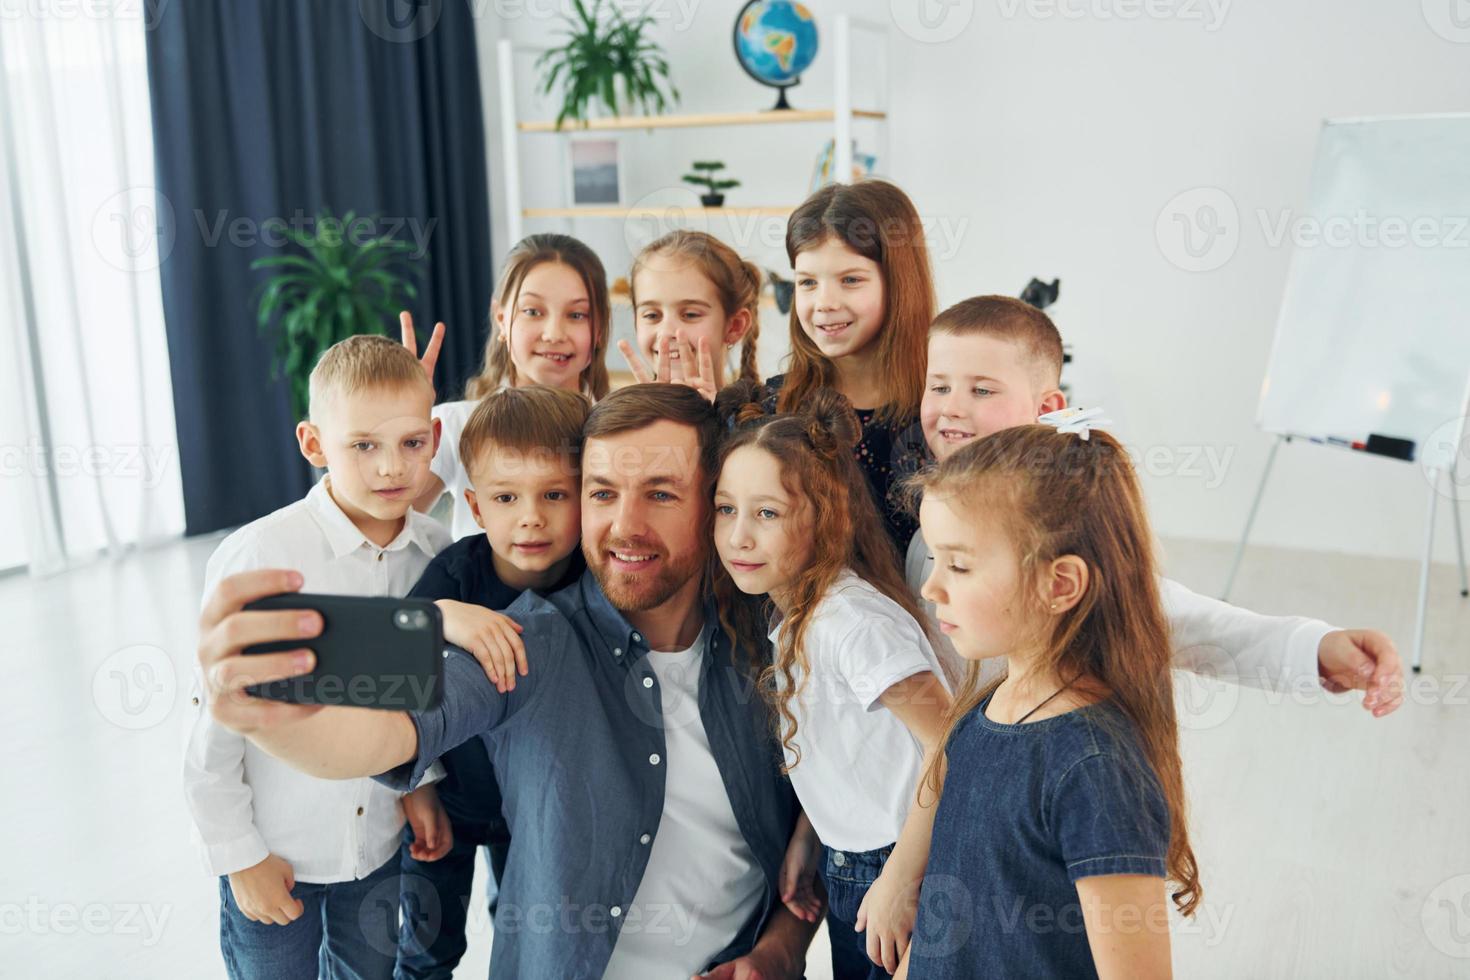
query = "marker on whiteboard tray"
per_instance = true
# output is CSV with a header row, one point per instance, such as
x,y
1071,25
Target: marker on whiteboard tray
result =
x,y
1344,443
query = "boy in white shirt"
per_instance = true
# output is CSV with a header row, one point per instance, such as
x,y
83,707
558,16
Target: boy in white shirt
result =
x,y
996,362
309,868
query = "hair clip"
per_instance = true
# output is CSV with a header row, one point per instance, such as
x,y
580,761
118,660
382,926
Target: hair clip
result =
x,y
1079,420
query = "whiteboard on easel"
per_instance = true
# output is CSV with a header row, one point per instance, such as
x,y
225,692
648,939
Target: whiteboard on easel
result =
x,y
1373,338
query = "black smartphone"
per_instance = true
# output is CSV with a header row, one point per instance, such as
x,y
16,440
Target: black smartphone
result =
x,y
376,652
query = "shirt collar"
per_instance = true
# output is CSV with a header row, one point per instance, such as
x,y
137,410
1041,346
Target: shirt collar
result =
x,y
620,635
344,536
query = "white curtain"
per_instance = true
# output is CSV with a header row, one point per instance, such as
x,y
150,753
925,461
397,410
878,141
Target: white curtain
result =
x,y
88,455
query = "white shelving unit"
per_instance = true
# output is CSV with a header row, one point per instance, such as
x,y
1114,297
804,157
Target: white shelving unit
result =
x,y
840,117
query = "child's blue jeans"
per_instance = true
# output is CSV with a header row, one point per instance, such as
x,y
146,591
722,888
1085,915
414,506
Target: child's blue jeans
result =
x,y
847,876
348,931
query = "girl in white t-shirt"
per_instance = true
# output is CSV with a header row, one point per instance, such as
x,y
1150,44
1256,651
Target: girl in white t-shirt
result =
x,y
854,682
550,321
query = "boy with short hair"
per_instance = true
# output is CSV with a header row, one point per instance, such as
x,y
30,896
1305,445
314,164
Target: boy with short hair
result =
x,y
996,362
521,448
308,867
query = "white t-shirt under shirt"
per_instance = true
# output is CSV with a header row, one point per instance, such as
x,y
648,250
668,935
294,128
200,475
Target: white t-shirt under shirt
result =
x,y
448,467
702,883
859,763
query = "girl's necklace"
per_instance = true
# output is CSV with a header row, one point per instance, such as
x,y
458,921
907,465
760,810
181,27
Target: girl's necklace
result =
x,y
1043,704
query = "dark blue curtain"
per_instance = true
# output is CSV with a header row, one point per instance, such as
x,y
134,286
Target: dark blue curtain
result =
x,y
277,109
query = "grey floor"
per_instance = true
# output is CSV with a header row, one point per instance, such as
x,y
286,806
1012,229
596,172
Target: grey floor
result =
x,y
1331,845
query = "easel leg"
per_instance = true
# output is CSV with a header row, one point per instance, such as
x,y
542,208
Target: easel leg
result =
x,y
1459,538
1424,570
1251,519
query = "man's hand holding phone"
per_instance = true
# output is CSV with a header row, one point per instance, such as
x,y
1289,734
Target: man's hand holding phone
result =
x,y
226,628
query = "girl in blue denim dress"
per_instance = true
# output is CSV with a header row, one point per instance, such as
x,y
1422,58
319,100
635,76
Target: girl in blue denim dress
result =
x,y
1062,817
858,695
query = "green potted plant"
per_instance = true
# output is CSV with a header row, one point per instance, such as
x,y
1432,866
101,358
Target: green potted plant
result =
x,y
607,61
705,176
342,285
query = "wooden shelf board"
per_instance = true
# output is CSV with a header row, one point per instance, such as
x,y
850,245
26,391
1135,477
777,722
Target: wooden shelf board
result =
x,y
699,119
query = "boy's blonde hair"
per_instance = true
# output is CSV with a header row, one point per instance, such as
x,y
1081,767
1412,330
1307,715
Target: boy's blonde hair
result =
x,y
1011,320
364,361
536,420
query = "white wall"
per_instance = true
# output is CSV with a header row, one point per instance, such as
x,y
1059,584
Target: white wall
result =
x,y
1046,137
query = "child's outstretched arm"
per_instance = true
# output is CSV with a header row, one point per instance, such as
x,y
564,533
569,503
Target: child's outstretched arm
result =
x,y
888,910
433,835
1127,920
1278,652
799,872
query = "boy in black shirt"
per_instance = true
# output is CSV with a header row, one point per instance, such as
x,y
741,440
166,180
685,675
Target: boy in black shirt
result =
x,y
522,449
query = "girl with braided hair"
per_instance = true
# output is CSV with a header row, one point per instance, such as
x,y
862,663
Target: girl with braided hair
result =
x,y
694,301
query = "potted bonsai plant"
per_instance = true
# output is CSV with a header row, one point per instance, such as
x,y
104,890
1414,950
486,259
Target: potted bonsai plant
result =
x,y
338,285
608,62
705,176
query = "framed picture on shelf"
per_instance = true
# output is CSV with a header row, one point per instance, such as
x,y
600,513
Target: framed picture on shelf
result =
x,y
594,171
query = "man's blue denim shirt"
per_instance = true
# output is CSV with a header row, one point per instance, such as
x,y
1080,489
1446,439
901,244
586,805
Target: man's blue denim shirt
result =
x,y
578,746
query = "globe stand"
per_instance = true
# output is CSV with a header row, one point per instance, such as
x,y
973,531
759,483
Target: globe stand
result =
x,y
781,103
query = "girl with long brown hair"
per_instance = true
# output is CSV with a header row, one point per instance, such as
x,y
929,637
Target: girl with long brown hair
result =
x,y
694,300
1063,799
857,693
549,325
860,318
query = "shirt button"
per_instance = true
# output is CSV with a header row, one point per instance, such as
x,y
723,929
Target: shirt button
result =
x,y
380,556
359,811
644,839
653,759
194,700
647,682
638,637
615,911
617,651
838,858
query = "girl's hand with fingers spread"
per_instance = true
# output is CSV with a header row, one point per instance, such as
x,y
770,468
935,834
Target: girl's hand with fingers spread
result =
x,y
493,638
685,370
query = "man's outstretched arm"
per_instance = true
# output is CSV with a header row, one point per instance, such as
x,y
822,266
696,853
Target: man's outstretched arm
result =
x,y
328,742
